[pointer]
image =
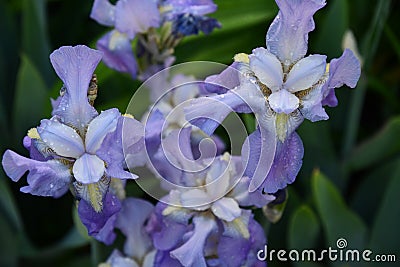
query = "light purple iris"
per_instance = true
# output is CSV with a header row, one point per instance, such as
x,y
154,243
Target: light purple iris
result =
x,y
77,145
138,249
128,17
281,86
138,19
208,206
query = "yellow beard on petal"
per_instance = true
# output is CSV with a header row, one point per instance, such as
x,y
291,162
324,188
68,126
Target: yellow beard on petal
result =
x,y
241,227
33,133
281,126
95,196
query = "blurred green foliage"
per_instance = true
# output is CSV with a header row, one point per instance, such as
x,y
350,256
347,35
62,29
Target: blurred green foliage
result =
x,y
349,184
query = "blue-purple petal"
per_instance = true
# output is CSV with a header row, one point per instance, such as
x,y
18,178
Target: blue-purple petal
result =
x,y
286,166
45,178
88,169
99,127
96,221
191,253
61,138
343,70
75,66
258,153
118,53
287,37
131,221
221,83
136,16
103,12
207,113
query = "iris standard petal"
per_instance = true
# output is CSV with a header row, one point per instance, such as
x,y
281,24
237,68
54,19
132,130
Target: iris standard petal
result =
x,y
192,252
226,209
99,127
118,53
305,73
136,16
287,37
64,140
45,178
267,68
283,102
131,221
75,66
103,12
88,169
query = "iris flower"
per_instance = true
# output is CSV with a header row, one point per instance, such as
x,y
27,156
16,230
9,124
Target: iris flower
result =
x,y
204,221
78,147
281,86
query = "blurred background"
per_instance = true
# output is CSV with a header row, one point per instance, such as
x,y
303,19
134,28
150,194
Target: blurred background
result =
x,y
347,188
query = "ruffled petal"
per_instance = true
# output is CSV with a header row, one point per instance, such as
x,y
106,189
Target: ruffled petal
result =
x,y
191,253
286,166
99,127
64,140
305,73
344,70
88,169
45,178
118,53
136,16
283,102
287,37
131,221
75,66
103,12
226,209
267,68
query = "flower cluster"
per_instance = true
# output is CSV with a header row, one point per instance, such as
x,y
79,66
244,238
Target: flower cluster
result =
x,y
158,26
206,217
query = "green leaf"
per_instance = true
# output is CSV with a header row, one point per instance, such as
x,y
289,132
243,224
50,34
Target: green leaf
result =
x,y
30,98
375,181
8,244
303,228
380,147
8,209
249,12
384,237
35,42
331,30
338,220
